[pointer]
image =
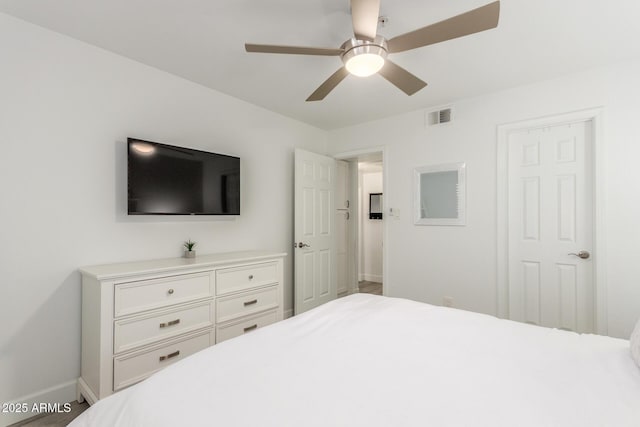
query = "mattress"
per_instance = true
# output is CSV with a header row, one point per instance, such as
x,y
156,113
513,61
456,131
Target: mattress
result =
x,y
367,360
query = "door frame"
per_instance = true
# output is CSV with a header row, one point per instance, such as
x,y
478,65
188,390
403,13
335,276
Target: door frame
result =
x,y
346,155
595,116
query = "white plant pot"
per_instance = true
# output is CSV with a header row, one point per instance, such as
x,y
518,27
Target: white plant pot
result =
x,y
189,254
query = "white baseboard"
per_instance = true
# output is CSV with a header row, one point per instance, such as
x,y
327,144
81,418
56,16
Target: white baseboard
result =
x,y
84,393
372,278
288,313
62,393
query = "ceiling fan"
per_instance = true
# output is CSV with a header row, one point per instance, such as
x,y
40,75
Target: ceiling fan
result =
x,y
366,53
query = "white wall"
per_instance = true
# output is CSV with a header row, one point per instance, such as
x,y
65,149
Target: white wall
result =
x,y
427,263
66,109
371,235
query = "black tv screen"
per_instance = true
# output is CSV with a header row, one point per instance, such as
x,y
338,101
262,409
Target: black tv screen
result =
x,y
169,180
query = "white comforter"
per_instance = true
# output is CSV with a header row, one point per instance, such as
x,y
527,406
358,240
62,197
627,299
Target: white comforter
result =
x,y
373,361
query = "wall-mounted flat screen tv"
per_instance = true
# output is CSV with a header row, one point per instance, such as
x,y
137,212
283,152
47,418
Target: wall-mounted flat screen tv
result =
x,y
169,180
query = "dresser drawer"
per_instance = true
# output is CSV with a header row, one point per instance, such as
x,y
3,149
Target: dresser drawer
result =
x,y
234,329
250,276
134,297
132,368
142,330
232,307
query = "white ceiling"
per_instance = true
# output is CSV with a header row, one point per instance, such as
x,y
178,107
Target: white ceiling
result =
x,y
203,41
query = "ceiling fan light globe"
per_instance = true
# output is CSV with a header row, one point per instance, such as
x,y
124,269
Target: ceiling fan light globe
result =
x,y
365,64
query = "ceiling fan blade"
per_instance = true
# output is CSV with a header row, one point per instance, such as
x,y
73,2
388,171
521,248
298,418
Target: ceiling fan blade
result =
x,y
474,21
293,50
328,85
401,78
364,16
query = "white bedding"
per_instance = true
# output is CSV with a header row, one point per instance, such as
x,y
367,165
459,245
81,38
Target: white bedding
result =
x,y
373,361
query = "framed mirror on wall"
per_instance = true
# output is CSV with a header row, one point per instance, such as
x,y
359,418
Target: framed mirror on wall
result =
x,y
439,194
375,205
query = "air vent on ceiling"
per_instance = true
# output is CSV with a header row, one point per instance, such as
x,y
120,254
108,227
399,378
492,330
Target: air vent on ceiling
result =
x,y
439,117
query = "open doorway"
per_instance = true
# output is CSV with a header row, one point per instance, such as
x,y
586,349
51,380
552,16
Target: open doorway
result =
x,y
370,221
359,219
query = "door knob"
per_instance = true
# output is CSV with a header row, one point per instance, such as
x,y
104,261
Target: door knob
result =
x,y
302,245
581,254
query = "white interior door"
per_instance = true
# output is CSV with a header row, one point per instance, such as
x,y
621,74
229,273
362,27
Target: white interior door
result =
x,y
314,230
550,223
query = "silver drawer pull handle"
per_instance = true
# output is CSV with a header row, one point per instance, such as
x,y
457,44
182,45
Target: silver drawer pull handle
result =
x,y
250,328
171,323
169,356
170,291
251,277
254,301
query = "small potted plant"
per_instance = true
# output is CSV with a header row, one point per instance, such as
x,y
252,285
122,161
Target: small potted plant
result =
x,y
189,253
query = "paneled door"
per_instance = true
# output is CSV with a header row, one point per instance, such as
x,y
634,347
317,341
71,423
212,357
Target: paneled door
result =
x,y
314,231
550,193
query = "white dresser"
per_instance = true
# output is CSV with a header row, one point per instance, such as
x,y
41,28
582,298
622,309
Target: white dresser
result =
x,y
140,317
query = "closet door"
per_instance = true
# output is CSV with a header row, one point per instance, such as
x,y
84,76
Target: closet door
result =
x,y
551,227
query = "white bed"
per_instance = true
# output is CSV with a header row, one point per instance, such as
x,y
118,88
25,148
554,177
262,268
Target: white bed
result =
x,y
373,361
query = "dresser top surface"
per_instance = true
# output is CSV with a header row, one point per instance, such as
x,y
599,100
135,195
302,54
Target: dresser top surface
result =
x,y
112,271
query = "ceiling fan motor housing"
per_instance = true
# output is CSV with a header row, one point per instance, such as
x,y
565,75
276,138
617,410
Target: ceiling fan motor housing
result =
x,y
364,51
